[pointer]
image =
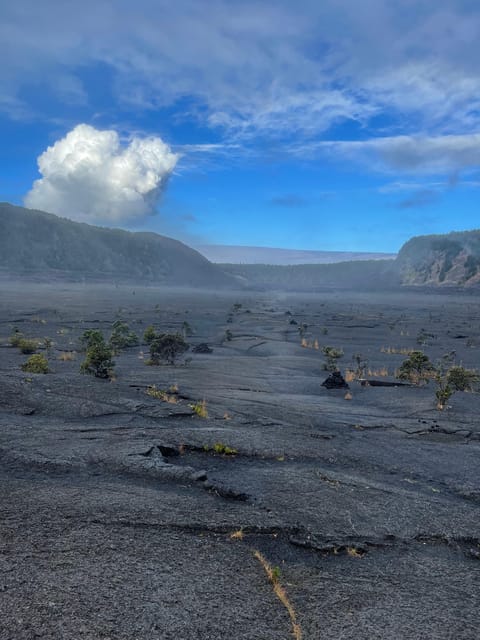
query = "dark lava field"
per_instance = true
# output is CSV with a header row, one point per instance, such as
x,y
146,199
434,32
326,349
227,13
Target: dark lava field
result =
x,y
248,501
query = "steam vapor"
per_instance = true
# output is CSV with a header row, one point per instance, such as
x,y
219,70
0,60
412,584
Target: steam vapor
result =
x,y
89,176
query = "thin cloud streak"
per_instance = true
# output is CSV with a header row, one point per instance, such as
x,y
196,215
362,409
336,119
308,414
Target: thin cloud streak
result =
x,y
403,154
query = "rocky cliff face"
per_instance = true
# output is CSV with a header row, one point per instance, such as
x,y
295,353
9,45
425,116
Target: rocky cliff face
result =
x,y
441,260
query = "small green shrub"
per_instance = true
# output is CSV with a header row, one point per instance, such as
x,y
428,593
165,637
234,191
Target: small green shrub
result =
x,y
90,338
456,378
224,449
122,337
149,335
417,368
98,361
461,379
167,347
276,574
200,409
36,364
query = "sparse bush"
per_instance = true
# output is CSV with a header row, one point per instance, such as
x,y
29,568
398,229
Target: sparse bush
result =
x,y
167,347
98,361
221,449
200,409
417,368
16,337
27,346
332,355
122,337
443,393
461,379
48,344
302,329
187,329
360,365
423,337
36,364
170,396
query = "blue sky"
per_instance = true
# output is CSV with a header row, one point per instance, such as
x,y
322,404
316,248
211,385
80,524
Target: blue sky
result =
x,y
311,125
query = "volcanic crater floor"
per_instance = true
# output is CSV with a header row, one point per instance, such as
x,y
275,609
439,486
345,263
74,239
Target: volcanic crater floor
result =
x,y
127,516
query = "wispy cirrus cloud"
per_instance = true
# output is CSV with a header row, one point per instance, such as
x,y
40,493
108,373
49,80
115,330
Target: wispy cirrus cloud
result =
x,y
288,201
420,198
258,70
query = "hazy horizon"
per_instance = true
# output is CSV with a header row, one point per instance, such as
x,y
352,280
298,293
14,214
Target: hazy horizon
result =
x,y
242,254
308,127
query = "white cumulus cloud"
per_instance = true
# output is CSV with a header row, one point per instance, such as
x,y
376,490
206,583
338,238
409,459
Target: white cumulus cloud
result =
x,y
90,176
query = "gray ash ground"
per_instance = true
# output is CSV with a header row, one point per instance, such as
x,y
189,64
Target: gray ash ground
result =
x,y
116,514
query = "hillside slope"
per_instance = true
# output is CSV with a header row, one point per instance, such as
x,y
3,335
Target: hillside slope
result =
x,y
35,242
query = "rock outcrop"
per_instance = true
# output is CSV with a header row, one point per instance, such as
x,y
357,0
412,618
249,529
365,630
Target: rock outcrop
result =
x,y
441,260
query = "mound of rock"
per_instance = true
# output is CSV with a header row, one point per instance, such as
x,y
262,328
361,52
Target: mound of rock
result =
x,y
335,381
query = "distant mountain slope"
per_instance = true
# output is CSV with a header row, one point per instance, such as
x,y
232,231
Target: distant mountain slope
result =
x,y
450,259
360,275
39,244
233,254
35,242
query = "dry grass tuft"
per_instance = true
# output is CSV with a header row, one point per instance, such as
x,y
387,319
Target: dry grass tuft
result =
x,y
274,578
350,375
353,552
160,394
348,396
379,373
396,350
67,356
237,535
